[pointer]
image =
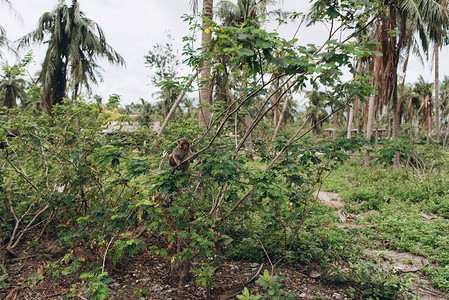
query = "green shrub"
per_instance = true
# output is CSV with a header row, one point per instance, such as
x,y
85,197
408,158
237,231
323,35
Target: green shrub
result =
x,y
373,281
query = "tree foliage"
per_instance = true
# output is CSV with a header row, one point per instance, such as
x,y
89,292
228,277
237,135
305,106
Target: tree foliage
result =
x,y
74,43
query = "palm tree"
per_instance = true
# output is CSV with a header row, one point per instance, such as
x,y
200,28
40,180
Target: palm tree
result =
x,y
231,13
315,109
445,106
438,34
394,20
4,42
74,43
423,92
235,14
3,39
11,87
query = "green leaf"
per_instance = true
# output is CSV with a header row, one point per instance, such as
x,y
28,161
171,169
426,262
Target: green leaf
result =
x,y
245,52
86,275
65,271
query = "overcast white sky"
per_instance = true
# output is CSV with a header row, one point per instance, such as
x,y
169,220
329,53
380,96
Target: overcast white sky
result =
x,y
132,27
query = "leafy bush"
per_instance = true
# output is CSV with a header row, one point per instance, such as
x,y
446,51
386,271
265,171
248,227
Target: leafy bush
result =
x,y
272,285
373,281
127,248
388,150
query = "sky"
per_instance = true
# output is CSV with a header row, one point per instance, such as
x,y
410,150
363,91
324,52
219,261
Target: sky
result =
x,y
133,27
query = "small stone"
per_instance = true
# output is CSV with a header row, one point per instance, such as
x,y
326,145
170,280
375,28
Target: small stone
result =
x,y
302,295
114,286
254,265
336,296
314,274
156,288
144,280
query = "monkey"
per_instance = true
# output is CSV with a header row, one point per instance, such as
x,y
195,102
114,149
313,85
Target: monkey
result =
x,y
181,152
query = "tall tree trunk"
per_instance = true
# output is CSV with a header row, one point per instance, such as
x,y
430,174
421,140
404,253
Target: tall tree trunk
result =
x,y
428,116
335,125
390,61
372,99
247,123
275,110
351,109
9,99
236,132
369,126
206,88
376,117
416,131
437,94
396,123
446,135
281,118
369,122
358,115
350,119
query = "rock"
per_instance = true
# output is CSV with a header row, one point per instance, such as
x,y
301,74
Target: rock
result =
x,y
143,280
115,286
156,288
337,296
302,295
254,265
314,275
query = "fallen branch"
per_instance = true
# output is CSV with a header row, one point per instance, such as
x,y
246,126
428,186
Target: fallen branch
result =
x,y
226,293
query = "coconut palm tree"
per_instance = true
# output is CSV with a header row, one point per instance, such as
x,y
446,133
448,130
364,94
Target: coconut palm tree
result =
x,y
3,39
237,13
4,42
74,44
422,104
315,109
445,106
12,87
395,18
438,34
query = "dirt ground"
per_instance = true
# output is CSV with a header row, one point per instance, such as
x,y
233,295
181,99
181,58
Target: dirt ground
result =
x,y
145,277
149,278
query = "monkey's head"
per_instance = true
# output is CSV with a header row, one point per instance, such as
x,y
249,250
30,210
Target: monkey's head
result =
x,y
184,144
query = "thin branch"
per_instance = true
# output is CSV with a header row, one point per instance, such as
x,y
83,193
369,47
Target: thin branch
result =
x,y
293,139
22,232
105,253
176,104
24,176
269,260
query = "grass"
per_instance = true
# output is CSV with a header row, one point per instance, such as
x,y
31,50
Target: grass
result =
x,y
409,211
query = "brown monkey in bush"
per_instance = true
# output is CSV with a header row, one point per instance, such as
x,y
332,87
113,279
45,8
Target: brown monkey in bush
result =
x,y
181,152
